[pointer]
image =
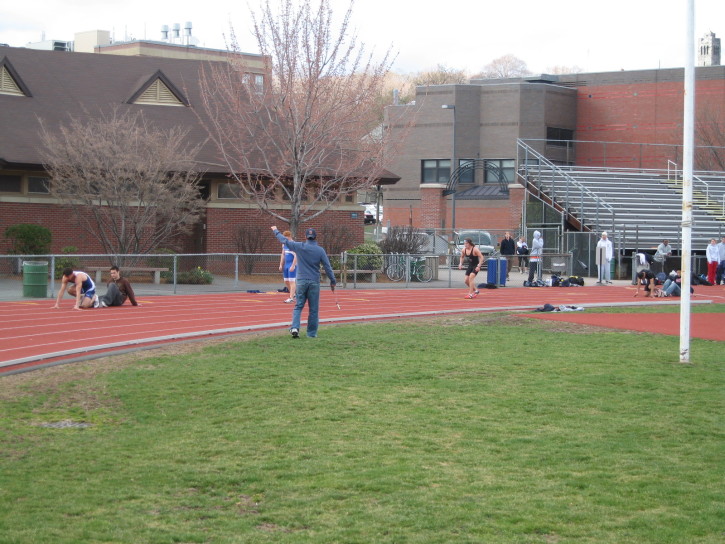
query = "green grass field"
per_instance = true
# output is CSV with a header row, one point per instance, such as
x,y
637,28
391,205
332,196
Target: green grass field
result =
x,y
475,429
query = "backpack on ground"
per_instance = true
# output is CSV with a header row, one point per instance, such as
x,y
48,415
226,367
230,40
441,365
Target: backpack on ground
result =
x,y
576,280
702,278
555,280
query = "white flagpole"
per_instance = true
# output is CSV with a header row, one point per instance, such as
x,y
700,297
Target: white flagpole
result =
x,y
688,139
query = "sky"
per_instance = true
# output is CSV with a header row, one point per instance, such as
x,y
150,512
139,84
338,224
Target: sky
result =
x,y
460,34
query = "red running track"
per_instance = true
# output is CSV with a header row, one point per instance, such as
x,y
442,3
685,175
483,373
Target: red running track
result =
x,y
34,334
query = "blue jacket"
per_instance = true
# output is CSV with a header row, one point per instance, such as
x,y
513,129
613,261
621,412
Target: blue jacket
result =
x,y
309,258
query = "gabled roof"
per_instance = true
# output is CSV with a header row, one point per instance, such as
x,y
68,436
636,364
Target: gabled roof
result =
x,y
84,84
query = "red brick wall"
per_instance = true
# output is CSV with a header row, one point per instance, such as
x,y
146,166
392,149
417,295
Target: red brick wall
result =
x,y
221,225
638,112
479,214
59,220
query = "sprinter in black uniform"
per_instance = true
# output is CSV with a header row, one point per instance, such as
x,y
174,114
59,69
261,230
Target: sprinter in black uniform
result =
x,y
471,255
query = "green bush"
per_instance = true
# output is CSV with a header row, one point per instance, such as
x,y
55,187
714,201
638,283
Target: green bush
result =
x,y
195,276
66,262
28,239
372,259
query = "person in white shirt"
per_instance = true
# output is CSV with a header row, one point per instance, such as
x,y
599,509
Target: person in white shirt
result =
x,y
713,260
604,260
720,274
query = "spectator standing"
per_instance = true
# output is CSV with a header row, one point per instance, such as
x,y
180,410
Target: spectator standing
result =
x,y
664,252
522,250
713,260
309,258
508,250
119,290
605,252
720,274
537,251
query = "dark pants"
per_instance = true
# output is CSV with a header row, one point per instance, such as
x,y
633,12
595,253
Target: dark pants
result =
x,y
533,269
113,296
720,273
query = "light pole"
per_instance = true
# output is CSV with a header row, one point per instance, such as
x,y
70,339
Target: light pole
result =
x,y
453,163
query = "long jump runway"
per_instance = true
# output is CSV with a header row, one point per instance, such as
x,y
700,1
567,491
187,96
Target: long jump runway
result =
x,y
32,334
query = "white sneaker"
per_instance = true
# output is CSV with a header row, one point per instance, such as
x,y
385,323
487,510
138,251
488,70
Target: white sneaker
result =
x,y
103,304
96,303
295,333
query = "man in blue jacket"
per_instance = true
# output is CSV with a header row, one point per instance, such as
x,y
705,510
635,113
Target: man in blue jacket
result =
x,y
309,258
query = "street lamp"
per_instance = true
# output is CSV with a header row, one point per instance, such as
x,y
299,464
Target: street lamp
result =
x,y
453,163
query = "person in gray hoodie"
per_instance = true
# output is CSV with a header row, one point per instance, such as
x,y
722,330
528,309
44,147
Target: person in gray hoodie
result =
x,y
309,258
537,250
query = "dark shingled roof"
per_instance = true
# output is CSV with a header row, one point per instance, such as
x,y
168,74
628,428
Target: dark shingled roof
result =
x,y
63,84
489,191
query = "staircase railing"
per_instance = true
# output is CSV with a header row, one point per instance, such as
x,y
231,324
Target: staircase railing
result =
x,y
532,166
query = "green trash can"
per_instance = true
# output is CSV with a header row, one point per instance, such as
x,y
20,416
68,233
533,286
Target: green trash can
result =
x,y
35,279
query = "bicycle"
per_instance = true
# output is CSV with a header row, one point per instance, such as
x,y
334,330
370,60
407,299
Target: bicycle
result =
x,y
419,271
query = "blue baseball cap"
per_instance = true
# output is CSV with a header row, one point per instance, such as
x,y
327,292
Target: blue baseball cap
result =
x,y
310,234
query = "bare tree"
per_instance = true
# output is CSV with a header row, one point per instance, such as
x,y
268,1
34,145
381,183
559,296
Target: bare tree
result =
x,y
312,134
504,67
561,69
132,186
710,135
441,75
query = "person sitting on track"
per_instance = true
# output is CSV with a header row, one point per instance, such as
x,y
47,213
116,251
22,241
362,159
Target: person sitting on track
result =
x,y
119,289
79,285
475,261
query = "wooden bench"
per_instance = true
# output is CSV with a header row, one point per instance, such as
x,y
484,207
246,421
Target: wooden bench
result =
x,y
128,271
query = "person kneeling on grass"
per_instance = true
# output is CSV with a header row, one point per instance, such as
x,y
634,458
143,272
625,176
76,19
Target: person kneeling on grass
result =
x,y
119,289
79,285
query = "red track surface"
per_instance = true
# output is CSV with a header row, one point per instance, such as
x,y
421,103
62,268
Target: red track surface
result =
x,y
33,334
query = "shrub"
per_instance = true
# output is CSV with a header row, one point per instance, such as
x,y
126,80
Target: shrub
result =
x,y
195,276
372,259
28,239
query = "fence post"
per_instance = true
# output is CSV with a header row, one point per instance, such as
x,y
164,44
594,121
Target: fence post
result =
x,y
51,274
236,270
175,268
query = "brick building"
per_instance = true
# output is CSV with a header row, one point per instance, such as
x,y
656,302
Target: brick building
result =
x,y
51,86
623,119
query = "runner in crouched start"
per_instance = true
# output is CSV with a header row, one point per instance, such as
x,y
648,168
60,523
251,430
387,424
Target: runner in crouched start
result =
x,y
79,285
475,261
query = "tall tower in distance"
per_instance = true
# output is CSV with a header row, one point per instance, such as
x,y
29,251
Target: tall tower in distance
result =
x,y
708,54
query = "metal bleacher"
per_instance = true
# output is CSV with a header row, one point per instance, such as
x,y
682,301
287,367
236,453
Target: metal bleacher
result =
x,y
643,206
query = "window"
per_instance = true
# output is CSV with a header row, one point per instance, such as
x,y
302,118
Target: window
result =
x,y
229,190
436,170
38,185
494,166
11,184
466,175
255,80
559,137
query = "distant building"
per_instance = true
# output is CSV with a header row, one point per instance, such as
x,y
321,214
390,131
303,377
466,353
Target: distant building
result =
x,y
625,119
708,53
